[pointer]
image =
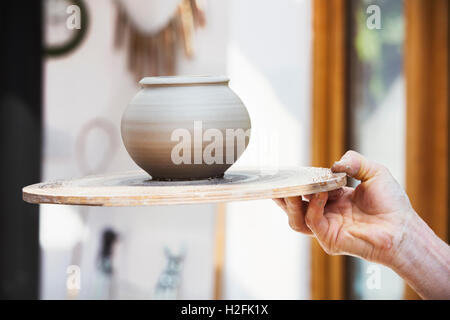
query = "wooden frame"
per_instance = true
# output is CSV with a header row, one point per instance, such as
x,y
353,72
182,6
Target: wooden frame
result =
x,y
427,86
219,250
329,136
427,99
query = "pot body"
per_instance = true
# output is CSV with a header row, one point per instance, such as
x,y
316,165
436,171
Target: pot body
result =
x,y
185,127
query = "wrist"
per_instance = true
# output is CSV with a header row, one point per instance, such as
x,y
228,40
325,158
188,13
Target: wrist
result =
x,y
406,250
422,259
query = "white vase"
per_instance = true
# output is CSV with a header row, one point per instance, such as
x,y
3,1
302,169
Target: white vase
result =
x,y
182,128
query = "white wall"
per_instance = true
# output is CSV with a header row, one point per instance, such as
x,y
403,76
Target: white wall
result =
x,y
264,46
93,82
268,62
386,147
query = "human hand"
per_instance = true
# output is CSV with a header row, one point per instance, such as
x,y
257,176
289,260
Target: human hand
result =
x,y
368,221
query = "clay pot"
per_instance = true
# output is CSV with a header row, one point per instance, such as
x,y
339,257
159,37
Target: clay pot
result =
x,y
185,127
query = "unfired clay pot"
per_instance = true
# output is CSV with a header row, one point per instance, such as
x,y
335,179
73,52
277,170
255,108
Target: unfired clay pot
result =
x,y
172,127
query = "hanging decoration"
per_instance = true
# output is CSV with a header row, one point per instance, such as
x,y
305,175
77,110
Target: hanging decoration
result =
x,y
151,50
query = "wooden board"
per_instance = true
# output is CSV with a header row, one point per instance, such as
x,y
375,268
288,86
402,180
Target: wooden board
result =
x,y
137,189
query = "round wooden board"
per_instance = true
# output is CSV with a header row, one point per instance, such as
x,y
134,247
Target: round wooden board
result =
x,y
137,189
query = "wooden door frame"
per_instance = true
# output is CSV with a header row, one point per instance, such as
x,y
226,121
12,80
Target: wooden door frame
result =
x,y
329,133
427,105
427,117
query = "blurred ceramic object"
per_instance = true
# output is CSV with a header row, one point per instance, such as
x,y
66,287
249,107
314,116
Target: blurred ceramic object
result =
x,y
204,107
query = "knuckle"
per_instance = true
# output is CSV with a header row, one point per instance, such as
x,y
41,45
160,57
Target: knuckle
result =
x,y
382,168
327,250
293,226
351,154
330,251
293,203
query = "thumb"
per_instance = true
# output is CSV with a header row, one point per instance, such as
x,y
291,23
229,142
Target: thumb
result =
x,y
357,166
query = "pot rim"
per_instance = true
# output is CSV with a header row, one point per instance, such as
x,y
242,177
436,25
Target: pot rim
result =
x,y
182,80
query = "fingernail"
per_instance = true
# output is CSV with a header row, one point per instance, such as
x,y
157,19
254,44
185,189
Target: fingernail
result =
x,y
337,163
321,199
345,156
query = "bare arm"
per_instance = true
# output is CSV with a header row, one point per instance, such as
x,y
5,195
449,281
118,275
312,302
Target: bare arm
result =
x,y
423,260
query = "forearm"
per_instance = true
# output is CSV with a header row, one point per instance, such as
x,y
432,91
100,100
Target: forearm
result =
x,y
423,260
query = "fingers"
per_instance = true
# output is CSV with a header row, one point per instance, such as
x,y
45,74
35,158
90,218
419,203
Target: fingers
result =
x,y
303,215
295,209
335,194
315,219
281,203
332,195
357,166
